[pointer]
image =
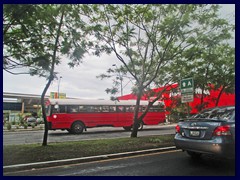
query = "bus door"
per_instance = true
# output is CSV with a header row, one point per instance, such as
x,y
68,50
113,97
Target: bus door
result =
x,y
58,116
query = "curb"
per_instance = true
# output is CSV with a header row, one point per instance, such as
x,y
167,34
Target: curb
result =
x,y
18,167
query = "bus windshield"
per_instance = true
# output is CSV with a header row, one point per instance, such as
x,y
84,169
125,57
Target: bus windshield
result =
x,y
48,110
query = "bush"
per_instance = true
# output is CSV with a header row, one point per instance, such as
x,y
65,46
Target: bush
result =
x,y
25,125
155,140
21,119
9,126
33,125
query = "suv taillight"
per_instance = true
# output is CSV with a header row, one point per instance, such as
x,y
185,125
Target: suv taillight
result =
x,y
177,129
222,131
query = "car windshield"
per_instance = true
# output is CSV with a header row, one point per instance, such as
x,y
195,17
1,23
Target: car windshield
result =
x,y
225,113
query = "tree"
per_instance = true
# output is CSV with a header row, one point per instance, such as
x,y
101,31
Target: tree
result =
x,y
149,40
35,37
214,67
224,71
210,60
118,76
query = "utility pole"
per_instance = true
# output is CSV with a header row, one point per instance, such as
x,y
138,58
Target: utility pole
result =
x,y
59,85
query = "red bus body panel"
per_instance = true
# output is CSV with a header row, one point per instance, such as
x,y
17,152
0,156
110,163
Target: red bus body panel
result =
x,y
65,120
115,117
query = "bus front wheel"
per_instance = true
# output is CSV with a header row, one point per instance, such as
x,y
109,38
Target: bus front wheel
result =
x,y
77,127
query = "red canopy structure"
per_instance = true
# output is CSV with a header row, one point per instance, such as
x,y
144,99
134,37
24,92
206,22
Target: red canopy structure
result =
x,y
172,94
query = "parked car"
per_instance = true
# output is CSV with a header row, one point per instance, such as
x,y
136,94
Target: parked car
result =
x,y
210,132
31,120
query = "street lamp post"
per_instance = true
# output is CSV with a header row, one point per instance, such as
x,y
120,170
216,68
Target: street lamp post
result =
x,y
59,85
121,79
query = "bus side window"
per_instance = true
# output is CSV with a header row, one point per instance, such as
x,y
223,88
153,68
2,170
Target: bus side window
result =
x,y
112,108
132,109
120,109
129,108
150,109
144,108
72,109
97,109
154,109
62,109
140,109
89,108
105,108
55,110
82,109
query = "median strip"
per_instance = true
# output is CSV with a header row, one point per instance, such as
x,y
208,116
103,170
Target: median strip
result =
x,y
28,156
82,159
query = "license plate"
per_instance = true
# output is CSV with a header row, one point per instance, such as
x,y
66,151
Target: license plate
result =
x,y
195,133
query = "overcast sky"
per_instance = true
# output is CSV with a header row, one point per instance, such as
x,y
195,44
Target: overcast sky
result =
x,y
80,82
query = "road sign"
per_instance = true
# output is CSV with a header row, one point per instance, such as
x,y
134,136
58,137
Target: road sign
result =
x,y
186,85
54,95
187,88
187,97
62,95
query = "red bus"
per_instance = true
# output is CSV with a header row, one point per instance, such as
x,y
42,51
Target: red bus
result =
x,y
77,115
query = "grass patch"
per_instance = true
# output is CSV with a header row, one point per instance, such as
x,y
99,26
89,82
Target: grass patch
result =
x,y
19,154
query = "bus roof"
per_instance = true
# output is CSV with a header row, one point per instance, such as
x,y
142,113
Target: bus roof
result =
x,y
97,102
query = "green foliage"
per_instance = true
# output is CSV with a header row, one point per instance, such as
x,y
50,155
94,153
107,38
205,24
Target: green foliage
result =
x,y
39,113
36,36
21,118
33,125
9,126
30,34
157,44
29,153
25,125
160,44
155,140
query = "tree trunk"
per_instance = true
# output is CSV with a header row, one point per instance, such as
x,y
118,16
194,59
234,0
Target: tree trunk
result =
x,y
45,136
219,95
135,119
51,77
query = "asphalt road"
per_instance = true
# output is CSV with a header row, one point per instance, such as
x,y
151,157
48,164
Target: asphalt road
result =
x,y
172,163
30,137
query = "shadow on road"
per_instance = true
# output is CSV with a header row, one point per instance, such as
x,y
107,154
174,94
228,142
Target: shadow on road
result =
x,y
212,163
